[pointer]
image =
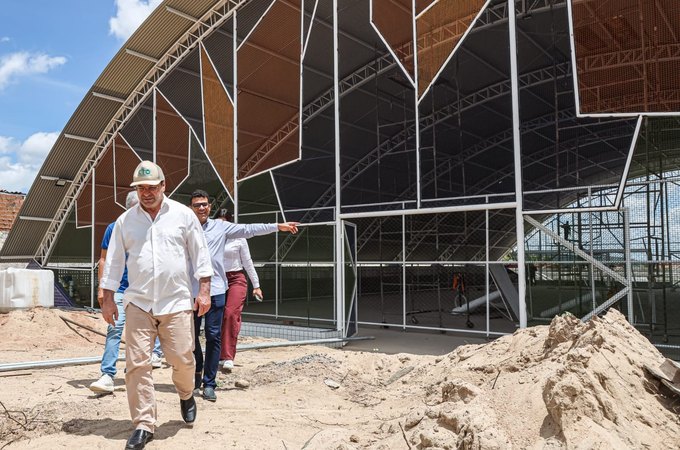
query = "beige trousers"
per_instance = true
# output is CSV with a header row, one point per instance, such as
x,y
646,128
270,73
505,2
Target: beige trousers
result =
x,y
176,333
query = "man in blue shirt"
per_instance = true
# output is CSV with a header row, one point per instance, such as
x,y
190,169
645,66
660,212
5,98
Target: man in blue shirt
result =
x,y
104,385
216,233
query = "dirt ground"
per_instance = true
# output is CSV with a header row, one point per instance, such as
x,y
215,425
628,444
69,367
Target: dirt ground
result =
x,y
570,385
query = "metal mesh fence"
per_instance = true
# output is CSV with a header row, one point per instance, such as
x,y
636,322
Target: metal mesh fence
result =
x,y
76,283
575,264
422,271
297,276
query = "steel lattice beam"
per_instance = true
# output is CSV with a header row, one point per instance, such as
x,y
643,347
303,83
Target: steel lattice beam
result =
x,y
489,17
482,146
186,43
627,58
483,95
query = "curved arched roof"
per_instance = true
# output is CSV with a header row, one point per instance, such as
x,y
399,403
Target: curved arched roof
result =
x,y
147,54
448,103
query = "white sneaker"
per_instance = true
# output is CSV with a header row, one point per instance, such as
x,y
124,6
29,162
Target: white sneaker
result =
x,y
103,385
228,365
156,361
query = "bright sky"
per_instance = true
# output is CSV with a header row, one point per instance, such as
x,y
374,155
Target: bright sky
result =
x,y
51,52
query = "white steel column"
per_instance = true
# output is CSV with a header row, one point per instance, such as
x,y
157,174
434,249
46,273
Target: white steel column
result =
x,y
339,254
92,241
235,123
516,136
155,114
486,279
403,272
416,102
629,269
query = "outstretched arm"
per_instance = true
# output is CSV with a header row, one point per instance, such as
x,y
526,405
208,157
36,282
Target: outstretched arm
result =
x,y
234,230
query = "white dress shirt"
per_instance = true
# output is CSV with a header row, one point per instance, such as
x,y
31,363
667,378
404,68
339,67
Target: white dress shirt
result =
x,y
237,257
162,253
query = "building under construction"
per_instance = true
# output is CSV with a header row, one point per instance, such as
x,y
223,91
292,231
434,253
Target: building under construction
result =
x,y
459,165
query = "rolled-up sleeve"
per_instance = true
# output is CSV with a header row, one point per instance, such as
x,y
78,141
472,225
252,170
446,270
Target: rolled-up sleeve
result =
x,y
198,249
115,260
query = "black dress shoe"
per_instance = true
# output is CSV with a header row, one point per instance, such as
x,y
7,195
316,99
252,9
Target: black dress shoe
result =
x,y
139,439
188,408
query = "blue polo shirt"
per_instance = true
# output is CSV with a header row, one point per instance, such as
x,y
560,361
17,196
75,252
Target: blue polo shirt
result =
x,y
105,246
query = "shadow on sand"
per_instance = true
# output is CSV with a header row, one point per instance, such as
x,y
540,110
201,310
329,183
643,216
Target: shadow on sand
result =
x,y
119,430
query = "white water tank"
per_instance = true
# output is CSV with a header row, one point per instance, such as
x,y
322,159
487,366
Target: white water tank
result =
x,y
24,288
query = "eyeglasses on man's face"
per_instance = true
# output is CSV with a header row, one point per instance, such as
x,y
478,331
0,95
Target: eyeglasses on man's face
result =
x,y
147,188
199,205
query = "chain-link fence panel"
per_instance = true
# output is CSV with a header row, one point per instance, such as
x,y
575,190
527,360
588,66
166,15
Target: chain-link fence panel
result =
x,y
379,239
459,236
380,293
76,283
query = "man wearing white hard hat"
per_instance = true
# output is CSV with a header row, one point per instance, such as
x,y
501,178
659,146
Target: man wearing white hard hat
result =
x,y
165,244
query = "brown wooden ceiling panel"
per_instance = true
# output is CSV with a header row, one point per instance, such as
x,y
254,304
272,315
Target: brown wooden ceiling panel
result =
x,y
287,150
195,8
219,123
269,86
84,205
125,162
627,55
123,74
271,116
279,30
266,75
104,168
394,20
422,4
105,208
172,143
439,30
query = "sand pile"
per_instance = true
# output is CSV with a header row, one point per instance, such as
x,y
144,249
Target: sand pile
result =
x,y
43,330
565,386
570,385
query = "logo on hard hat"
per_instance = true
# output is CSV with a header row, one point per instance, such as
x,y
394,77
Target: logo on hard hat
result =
x,y
143,171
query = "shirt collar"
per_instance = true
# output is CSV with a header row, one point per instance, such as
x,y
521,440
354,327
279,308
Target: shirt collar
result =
x,y
165,206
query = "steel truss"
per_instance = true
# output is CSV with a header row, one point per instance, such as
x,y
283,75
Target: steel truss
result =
x,y
207,23
484,95
489,17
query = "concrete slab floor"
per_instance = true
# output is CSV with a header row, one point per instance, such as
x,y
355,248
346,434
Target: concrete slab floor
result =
x,y
418,342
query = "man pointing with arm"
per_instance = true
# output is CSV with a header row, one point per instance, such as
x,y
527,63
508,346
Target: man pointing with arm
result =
x,y
216,233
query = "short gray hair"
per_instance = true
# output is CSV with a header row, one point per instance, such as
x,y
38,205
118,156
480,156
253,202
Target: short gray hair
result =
x,y
131,200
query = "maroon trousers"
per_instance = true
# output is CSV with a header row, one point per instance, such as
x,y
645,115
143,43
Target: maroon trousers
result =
x,y
231,324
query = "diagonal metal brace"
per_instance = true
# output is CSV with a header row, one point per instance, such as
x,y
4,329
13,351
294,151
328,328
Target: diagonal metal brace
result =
x,y
613,299
565,243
